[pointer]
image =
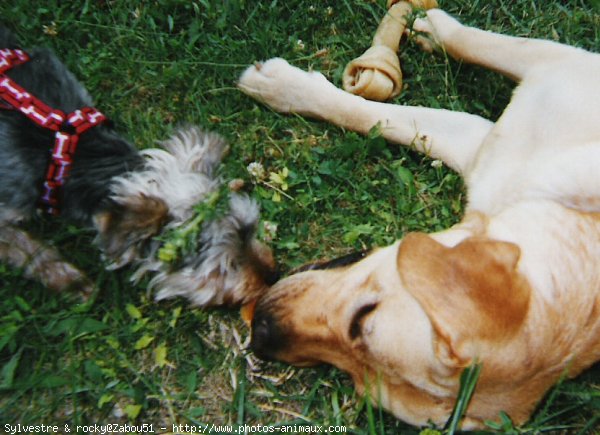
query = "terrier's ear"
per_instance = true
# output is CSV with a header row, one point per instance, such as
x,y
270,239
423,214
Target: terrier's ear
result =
x,y
197,150
472,293
125,226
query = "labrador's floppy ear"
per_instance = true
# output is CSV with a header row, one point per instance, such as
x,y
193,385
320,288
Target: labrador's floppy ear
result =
x,y
472,292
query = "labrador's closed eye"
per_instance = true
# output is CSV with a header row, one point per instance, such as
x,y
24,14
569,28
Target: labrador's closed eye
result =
x,y
355,329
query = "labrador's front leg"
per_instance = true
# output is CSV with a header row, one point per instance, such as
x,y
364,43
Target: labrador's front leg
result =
x,y
453,137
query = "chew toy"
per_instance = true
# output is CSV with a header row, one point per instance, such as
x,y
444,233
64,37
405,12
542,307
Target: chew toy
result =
x,y
376,75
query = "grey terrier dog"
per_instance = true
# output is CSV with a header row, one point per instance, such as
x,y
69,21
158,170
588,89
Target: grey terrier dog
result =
x,y
163,211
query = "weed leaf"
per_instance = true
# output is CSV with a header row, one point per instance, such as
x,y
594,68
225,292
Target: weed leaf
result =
x,y
8,371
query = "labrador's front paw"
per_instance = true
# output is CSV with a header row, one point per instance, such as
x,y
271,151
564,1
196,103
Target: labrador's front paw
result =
x,y
435,30
283,87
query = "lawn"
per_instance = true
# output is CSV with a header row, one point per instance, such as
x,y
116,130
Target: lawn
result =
x,y
154,65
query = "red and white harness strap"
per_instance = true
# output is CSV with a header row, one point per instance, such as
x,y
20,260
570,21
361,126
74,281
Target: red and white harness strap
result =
x,y
67,128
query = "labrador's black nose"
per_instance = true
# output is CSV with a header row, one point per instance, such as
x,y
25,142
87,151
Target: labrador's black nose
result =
x,y
267,337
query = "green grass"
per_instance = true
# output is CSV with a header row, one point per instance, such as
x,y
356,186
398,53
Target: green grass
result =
x,y
153,65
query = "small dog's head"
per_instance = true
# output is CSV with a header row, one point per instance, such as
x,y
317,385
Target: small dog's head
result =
x,y
404,322
174,219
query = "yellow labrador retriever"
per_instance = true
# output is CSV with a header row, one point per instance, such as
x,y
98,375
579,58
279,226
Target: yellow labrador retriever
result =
x,y
515,285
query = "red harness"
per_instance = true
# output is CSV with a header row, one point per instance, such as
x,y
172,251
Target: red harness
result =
x,y
67,128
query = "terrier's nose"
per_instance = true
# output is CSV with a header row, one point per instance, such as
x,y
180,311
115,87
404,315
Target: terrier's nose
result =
x,y
267,338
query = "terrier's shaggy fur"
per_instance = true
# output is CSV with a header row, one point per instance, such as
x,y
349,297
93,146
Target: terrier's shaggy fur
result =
x,y
131,198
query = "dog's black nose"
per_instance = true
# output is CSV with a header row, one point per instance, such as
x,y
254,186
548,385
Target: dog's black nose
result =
x,y
267,338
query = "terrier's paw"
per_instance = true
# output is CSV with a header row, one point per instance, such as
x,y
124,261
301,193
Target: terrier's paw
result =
x,y
64,277
285,88
432,32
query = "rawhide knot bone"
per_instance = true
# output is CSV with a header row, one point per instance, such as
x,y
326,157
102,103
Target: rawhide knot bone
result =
x,y
376,75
